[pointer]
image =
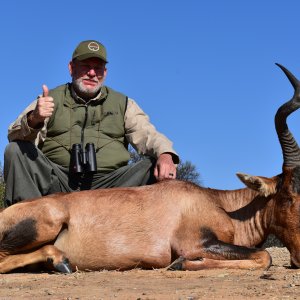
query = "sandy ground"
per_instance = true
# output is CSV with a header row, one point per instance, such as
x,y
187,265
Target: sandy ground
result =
x,y
279,282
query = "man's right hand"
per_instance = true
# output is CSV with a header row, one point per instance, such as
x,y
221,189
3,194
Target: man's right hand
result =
x,y
44,109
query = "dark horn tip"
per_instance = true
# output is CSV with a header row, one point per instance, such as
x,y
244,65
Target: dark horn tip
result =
x,y
293,80
280,66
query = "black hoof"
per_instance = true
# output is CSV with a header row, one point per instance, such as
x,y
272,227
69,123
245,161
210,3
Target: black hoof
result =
x,y
176,265
64,266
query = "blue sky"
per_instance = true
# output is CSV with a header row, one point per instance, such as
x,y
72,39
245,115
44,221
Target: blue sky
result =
x,y
204,71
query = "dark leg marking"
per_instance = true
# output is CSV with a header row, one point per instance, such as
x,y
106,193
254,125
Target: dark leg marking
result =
x,y
19,235
224,250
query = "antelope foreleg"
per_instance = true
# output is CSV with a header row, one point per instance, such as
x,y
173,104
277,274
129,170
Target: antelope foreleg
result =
x,y
210,252
222,255
262,260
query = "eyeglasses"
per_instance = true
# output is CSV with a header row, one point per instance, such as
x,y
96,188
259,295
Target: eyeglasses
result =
x,y
83,67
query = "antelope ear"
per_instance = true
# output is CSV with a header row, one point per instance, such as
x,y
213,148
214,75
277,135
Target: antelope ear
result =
x,y
265,186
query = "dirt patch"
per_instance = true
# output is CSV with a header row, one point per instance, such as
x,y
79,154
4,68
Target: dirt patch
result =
x,y
279,282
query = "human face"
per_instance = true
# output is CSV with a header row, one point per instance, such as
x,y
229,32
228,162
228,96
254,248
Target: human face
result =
x,y
88,76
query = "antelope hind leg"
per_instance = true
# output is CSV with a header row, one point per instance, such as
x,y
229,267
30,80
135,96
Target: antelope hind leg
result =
x,y
48,253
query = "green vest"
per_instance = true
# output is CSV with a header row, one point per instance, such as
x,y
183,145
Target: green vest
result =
x,y
101,121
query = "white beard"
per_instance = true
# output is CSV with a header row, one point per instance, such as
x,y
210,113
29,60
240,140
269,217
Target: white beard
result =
x,y
83,91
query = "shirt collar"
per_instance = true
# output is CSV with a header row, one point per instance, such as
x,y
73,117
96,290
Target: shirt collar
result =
x,y
101,95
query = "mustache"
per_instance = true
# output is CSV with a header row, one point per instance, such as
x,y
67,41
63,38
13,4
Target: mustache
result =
x,y
90,79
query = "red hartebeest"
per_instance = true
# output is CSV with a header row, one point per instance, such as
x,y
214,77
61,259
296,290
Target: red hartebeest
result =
x,y
170,224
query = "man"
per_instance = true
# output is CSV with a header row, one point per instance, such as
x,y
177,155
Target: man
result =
x,y
75,137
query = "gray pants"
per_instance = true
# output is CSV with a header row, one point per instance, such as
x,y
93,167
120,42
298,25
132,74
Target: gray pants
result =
x,y
28,174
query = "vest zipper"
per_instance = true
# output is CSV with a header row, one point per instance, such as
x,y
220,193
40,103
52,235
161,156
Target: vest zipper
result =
x,y
83,126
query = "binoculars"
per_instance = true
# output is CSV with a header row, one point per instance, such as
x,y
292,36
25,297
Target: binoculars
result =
x,y
83,160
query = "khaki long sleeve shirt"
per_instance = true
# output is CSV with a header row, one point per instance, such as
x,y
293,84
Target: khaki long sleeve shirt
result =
x,y
140,133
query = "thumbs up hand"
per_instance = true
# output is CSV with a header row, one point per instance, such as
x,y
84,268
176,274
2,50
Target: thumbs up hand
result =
x,y
45,90
44,109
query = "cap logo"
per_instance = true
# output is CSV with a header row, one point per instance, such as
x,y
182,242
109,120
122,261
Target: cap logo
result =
x,y
93,46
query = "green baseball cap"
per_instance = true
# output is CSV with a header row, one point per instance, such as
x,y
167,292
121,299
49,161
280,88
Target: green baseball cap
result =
x,y
90,48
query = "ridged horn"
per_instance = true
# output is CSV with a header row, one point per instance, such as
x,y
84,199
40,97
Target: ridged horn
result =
x,y
289,146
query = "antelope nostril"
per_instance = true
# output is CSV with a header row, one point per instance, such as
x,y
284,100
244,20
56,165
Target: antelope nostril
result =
x,y
295,264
